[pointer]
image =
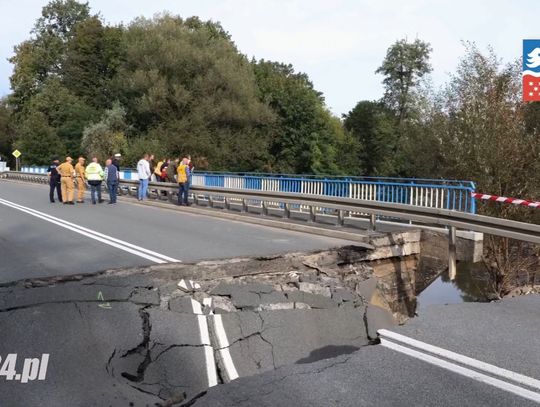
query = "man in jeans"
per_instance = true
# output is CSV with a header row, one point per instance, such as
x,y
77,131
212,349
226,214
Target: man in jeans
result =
x,y
183,175
111,178
94,175
143,171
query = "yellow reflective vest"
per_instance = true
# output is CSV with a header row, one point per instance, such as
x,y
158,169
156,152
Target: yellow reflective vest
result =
x,y
94,172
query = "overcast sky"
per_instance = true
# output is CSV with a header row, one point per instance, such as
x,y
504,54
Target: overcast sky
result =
x,y
338,43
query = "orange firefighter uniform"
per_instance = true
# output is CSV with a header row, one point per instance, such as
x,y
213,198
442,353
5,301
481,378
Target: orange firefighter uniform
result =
x,y
66,172
81,180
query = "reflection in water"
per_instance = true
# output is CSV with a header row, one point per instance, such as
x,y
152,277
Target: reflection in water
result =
x,y
471,285
408,284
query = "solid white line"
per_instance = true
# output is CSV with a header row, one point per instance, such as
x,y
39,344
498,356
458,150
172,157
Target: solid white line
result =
x,y
223,347
462,359
205,340
101,235
90,235
472,374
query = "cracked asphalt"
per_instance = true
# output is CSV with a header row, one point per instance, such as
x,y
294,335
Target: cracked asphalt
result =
x,y
275,330
502,333
134,337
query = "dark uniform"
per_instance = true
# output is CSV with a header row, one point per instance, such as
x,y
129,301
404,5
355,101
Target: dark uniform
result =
x,y
54,182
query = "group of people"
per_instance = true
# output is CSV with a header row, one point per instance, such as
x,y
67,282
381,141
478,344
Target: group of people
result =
x,y
166,170
63,177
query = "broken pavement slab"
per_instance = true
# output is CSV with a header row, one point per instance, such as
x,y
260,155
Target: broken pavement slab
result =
x,y
266,340
170,351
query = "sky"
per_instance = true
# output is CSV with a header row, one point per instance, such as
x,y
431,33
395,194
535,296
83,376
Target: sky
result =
x,y
338,43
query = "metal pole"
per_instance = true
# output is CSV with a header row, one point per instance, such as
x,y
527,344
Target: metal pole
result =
x,y
311,217
372,222
341,218
287,211
452,253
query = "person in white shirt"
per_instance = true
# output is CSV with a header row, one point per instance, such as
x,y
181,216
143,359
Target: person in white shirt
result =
x,y
143,171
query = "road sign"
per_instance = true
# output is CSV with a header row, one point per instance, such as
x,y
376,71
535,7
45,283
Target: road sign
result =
x,y
16,153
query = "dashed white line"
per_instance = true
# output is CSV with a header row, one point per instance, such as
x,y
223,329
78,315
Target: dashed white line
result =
x,y
109,240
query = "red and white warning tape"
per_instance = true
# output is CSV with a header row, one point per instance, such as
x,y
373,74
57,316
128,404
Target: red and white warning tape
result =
x,y
503,199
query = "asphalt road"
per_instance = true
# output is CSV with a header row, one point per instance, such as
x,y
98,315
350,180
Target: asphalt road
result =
x,y
504,334
135,338
33,247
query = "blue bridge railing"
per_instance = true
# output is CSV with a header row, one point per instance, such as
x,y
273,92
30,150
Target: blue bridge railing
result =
x,y
434,193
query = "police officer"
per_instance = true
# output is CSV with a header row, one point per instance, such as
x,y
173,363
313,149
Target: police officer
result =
x,y
54,181
67,172
81,179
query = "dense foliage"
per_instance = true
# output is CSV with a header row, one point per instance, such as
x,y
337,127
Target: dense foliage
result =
x,y
180,86
174,86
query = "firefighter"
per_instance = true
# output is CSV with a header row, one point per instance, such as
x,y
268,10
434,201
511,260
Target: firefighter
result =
x,y
81,179
67,172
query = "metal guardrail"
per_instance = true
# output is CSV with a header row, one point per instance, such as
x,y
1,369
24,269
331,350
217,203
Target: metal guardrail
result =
x,y
430,193
341,207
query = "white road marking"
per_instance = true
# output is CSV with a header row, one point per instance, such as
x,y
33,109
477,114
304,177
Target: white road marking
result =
x,y
205,340
109,240
462,359
472,374
223,347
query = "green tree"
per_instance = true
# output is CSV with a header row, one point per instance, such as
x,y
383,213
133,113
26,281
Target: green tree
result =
x,y
404,65
185,84
37,140
489,134
92,58
7,135
106,137
305,138
65,113
44,55
53,30
373,126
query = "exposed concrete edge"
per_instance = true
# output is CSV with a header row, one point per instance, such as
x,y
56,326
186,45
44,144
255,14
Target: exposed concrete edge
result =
x,y
463,234
362,240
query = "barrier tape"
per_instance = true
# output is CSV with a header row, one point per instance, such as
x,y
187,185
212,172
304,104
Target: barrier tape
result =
x,y
503,199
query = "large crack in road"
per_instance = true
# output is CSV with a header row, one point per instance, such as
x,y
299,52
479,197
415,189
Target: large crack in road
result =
x,y
136,334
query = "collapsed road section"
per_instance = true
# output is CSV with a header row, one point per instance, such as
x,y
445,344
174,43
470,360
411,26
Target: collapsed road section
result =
x,y
162,335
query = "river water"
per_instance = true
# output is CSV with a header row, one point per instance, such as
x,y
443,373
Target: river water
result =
x,y
471,285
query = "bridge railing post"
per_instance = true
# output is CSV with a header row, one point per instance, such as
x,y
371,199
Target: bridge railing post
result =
x,y
287,211
372,222
452,267
312,217
341,218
